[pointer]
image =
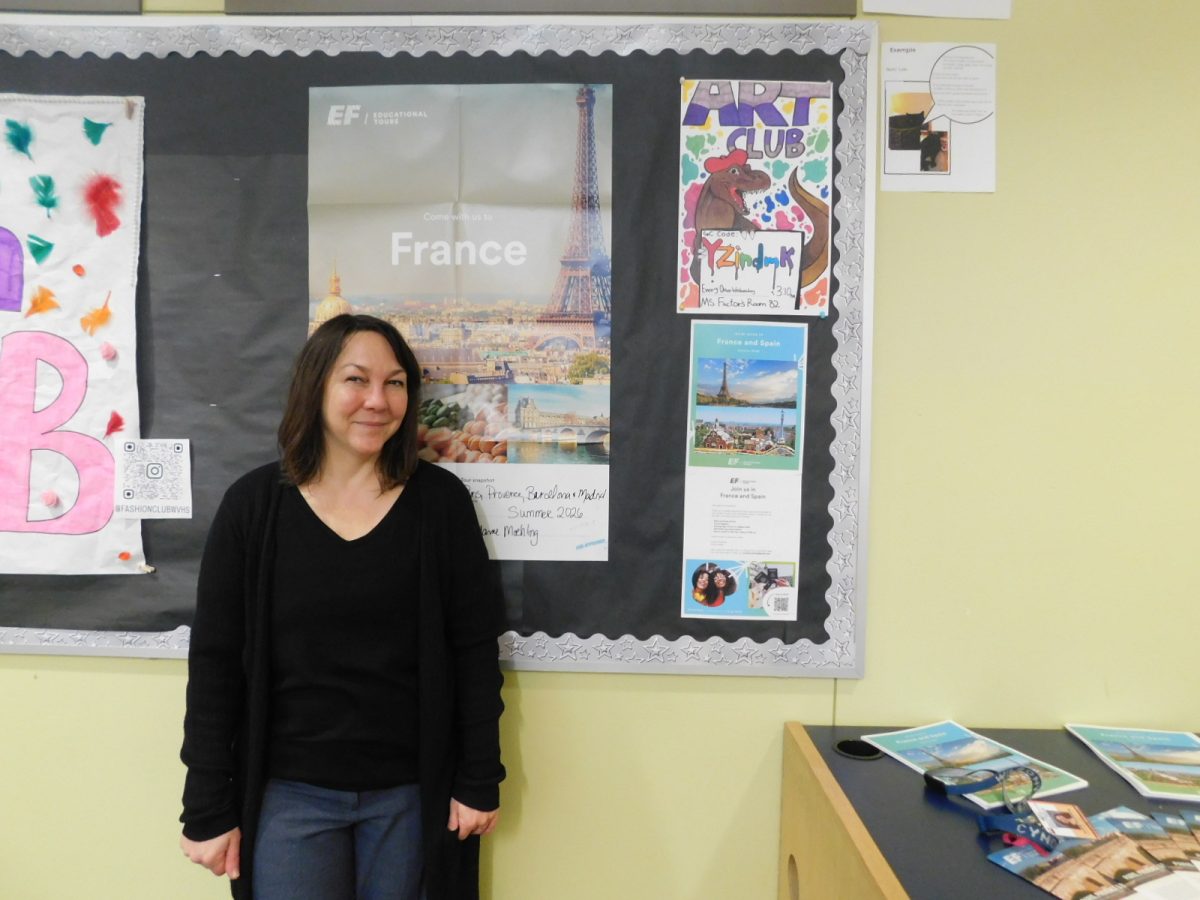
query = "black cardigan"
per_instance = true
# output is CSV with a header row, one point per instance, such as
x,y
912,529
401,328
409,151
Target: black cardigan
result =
x,y
460,615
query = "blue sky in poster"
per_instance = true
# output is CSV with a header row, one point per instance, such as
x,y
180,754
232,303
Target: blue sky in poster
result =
x,y
746,415
765,382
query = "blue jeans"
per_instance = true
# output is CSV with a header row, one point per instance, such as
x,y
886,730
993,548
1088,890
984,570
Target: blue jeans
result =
x,y
319,844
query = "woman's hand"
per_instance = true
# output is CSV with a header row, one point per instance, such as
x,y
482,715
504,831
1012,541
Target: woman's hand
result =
x,y
467,821
221,855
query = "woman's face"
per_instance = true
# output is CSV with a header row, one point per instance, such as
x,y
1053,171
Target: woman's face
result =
x,y
366,397
702,580
719,579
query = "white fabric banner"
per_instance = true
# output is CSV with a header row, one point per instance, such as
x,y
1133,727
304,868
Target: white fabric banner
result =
x,y
70,212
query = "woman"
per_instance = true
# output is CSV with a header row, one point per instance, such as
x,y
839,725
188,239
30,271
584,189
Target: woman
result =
x,y
343,699
724,584
701,589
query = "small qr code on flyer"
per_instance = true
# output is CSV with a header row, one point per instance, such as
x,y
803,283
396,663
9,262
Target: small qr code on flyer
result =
x,y
154,479
780,603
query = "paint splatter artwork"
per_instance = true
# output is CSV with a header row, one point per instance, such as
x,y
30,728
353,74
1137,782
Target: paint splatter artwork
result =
x,y
70,207
755,197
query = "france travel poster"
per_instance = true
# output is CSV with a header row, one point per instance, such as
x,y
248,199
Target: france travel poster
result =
x,y
476,219
755,197
742,485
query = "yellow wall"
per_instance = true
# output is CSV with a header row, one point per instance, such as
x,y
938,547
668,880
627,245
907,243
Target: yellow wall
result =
x,y
1033,512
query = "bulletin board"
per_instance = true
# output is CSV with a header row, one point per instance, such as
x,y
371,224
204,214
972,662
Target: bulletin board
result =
x,y
224,255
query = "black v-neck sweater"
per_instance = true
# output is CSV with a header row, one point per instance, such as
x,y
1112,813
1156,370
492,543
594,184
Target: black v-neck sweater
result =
x,y
459,614
344,650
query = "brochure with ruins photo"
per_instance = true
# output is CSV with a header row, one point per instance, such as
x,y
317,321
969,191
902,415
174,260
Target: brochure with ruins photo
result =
x,y
1160,764
948,745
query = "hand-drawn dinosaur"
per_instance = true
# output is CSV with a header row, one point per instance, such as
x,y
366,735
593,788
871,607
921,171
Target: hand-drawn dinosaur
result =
x,y
722,206
815,257
722,203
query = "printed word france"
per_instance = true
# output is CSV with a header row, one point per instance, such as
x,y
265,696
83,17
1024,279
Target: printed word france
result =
x,y
458,253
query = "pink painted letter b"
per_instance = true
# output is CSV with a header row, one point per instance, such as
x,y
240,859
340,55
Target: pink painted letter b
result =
x,y
24,428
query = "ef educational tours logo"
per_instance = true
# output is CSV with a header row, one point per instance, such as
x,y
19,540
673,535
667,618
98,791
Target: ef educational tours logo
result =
x,y
343,113
355,113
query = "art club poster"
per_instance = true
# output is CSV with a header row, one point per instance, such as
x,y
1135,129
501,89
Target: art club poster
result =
x,y
755,197
476,219
70,211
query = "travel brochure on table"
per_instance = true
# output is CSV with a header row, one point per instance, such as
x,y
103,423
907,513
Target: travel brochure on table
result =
x,y
1132,855
948,745
1160,764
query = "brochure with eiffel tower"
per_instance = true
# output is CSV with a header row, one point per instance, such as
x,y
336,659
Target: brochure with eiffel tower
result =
x,y
475,219
744,479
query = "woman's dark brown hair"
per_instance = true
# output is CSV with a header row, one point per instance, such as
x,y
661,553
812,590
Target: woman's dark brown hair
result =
x,y
301,431
730,582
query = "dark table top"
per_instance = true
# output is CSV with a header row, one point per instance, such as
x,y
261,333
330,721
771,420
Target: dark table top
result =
x,y
932,842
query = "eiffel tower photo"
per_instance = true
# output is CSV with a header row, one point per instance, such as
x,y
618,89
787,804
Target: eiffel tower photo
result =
x,y
579,313
495,320
723,395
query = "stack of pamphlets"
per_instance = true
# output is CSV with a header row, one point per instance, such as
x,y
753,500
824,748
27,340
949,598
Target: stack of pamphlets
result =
x,y
1133,855
949,745
1160,764
1117,853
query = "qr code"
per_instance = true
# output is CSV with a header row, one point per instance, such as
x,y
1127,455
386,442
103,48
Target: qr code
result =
x,y
153,470
780,603
773,589
154,479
